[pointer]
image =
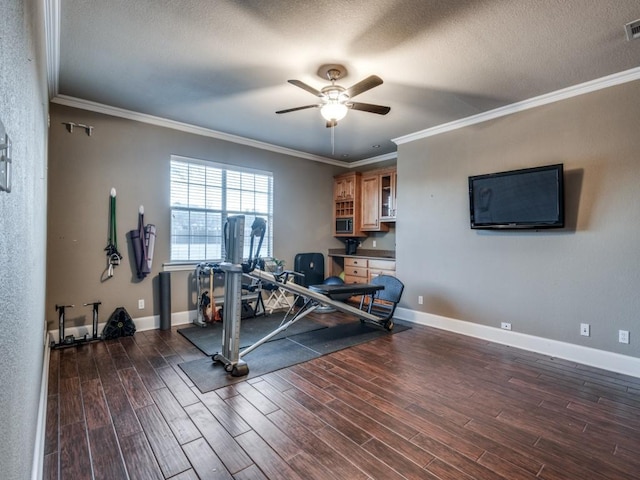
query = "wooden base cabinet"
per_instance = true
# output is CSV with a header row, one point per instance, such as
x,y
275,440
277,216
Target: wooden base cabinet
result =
x,y
363,270
356,270
381,267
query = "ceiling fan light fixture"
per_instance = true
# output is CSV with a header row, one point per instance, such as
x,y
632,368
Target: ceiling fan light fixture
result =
x,y
337,100
334,111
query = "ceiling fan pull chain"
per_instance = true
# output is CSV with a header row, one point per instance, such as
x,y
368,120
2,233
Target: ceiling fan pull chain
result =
x,y
333,141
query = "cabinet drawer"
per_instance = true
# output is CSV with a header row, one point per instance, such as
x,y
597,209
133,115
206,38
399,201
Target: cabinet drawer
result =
x,y
356,272
352,279
355,262
382,264
374,273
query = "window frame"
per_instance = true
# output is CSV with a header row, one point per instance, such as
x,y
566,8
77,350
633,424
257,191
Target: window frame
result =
x,y
209,213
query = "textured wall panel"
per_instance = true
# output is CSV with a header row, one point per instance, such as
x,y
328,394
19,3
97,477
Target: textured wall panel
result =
x,y
23,108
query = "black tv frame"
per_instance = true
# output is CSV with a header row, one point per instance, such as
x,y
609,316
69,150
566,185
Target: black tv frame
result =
x,y
519,224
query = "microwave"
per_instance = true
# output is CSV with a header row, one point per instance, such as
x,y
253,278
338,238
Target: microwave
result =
x,y
344,225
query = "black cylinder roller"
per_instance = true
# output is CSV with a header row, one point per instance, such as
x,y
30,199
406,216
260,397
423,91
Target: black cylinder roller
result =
x,y
165,300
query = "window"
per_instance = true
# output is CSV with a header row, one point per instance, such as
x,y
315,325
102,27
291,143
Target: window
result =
x,y
203,195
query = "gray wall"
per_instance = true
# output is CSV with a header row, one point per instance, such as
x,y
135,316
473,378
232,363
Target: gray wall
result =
x,y
384,240
134,158
545,283
23,110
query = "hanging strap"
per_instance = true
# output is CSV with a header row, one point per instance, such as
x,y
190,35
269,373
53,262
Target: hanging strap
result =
x,y
113,255
113,234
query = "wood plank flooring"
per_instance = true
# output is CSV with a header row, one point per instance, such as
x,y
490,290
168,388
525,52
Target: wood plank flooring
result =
x,y
421,404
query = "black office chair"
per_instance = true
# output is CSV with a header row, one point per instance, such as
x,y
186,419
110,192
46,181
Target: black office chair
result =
x,y
383,303
311,265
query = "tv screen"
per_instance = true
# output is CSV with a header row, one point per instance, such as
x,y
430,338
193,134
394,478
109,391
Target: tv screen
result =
x,y
527,198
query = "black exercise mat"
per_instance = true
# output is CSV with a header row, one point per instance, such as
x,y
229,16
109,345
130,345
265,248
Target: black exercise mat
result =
x,y
271,356
342,336
209,338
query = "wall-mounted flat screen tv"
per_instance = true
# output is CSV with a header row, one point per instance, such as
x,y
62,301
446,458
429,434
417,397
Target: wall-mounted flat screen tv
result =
x,y
517,199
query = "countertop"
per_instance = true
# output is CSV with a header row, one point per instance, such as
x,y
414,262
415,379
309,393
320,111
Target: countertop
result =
x,y
364,253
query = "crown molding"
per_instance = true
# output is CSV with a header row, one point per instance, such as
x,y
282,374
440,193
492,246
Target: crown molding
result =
x,y
557,96
372,160
52,44
188,128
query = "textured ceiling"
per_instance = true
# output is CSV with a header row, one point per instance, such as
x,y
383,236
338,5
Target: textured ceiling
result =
x,y
224,65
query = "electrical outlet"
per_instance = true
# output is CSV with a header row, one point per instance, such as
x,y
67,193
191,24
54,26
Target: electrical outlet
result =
x,y
623,336
420,299
141,304
505,326
374,244
585,330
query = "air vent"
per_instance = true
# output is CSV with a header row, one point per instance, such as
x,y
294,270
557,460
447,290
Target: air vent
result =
x,y
633,30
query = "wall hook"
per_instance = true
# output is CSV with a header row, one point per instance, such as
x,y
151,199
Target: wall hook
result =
x,y
88,129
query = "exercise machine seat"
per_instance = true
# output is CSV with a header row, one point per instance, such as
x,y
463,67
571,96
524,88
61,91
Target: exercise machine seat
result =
x,y
337,281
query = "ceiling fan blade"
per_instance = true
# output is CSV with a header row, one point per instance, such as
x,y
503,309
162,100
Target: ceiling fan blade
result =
x,y
306,87
367,107
332,123
295,109
364,85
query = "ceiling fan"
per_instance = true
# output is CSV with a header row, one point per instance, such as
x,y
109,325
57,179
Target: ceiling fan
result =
x,y
336,100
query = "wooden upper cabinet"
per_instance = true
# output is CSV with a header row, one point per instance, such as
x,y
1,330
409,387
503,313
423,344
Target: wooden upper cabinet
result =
x,y
370,204
344,187
388,203
346,205
378,199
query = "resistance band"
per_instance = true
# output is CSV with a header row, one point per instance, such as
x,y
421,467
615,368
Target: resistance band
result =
x,y
113,256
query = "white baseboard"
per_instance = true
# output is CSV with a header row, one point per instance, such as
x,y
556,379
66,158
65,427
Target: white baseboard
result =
x,y
613,362
153,323
142,324
41,421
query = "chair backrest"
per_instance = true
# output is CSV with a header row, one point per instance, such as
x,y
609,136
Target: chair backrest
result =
x,y
392,293
393,288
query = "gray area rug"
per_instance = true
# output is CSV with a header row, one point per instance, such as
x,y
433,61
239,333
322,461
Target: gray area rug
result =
x,y
285,352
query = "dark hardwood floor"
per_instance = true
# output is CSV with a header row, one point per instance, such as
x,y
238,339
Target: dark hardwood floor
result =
x,y
421,404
